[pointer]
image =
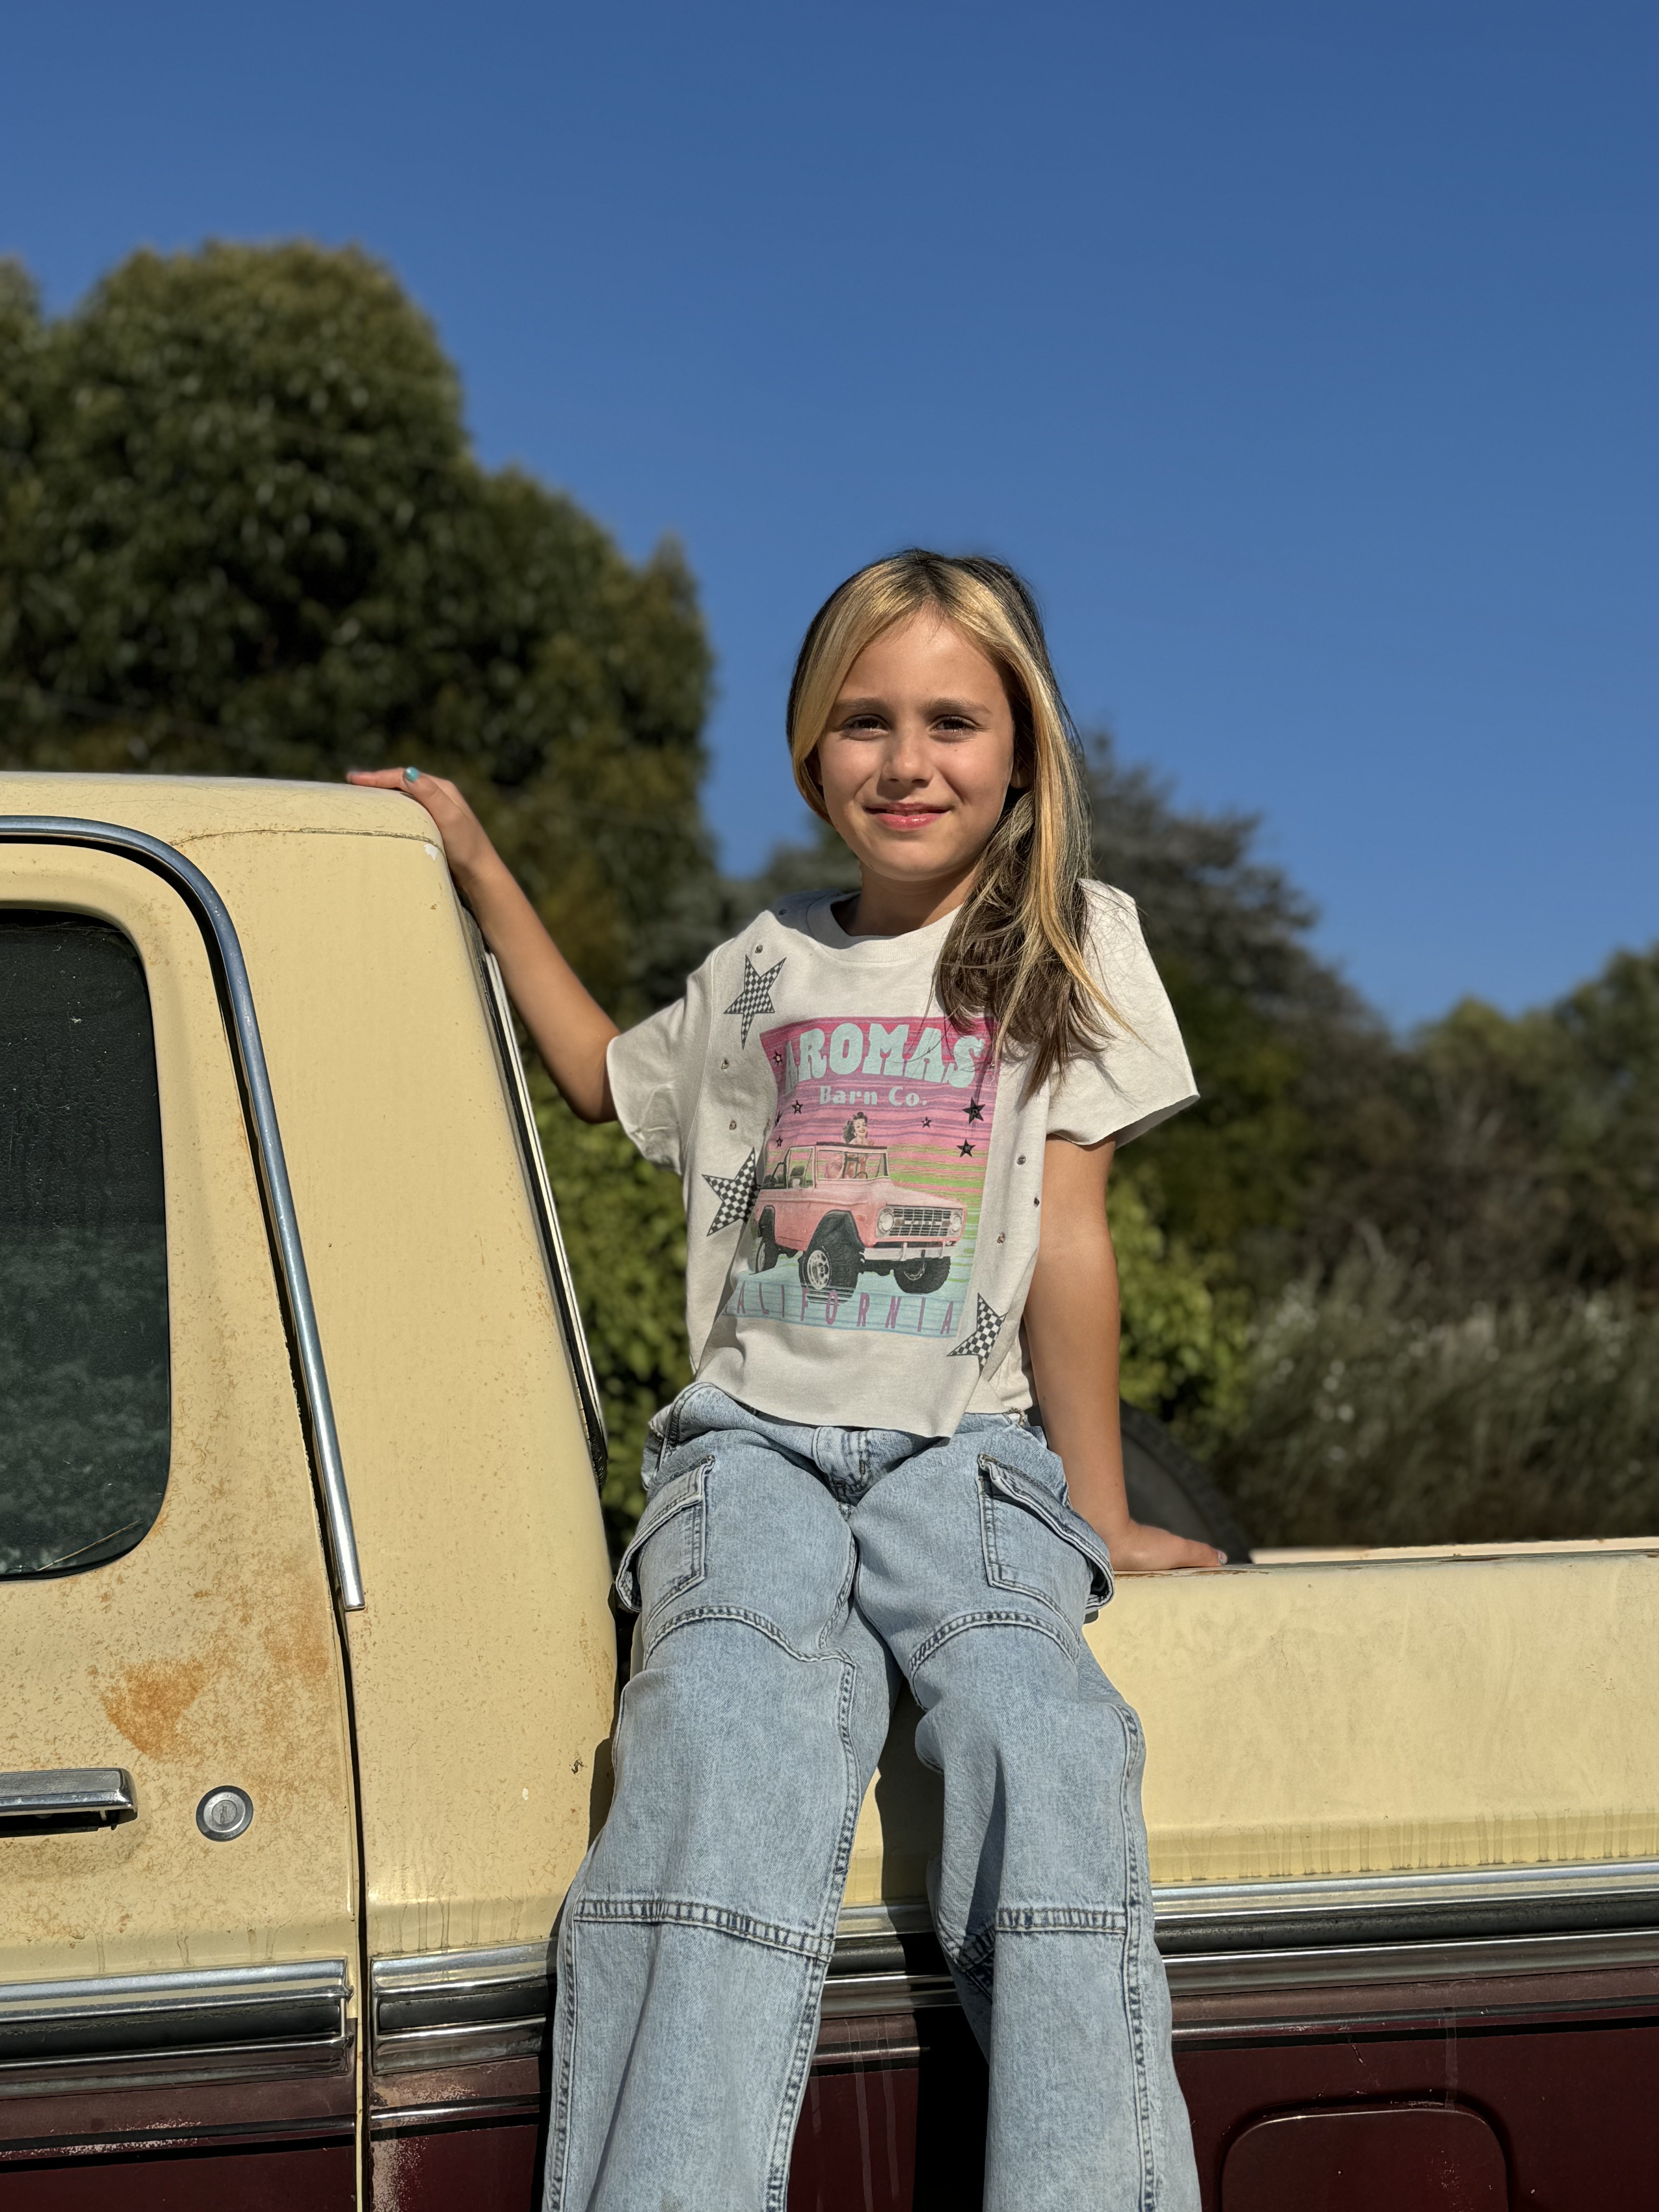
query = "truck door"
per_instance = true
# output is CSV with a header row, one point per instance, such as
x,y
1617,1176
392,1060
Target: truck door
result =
x,y
178,1853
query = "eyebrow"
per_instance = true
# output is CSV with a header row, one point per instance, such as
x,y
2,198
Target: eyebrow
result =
x,y
935,707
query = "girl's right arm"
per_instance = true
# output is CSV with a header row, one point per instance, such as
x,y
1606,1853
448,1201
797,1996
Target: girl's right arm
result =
x,y
571,1029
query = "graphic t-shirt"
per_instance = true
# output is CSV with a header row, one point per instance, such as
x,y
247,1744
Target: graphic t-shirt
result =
x,y
864,1178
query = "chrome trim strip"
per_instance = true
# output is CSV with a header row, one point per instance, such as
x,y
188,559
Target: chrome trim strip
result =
x,y
1345,1966
847,1996
546,1209
862,1923
1345,1910
68,1793
260,1107
459,2007
400,2119
283,2010
1268,1916
300,2060
437,2049
502,1968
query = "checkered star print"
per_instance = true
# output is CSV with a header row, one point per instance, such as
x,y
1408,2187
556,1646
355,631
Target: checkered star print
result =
x,y
755,997
736,1194
981,1338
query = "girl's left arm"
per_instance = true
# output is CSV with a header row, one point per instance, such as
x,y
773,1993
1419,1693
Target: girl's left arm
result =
x,y
1072,1329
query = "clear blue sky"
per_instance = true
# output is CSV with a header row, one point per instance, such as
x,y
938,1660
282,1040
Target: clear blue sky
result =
x,y
1306,356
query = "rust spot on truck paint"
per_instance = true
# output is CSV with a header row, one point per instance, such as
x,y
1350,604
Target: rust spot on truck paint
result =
x,y
148,1703
299,1644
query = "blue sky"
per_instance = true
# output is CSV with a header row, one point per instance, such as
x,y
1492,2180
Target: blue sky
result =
x,y
1305,355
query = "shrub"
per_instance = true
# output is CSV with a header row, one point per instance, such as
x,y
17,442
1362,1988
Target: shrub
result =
x,y
1375,1417
1185,1324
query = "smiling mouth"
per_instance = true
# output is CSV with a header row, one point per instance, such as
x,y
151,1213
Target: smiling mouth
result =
x,y
906,817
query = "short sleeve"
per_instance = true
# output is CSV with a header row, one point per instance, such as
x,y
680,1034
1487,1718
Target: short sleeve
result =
x,y
1141,1076
656,1070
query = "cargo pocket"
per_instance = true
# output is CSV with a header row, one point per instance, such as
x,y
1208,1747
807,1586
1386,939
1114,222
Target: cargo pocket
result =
x,y
666,1558
1035,1544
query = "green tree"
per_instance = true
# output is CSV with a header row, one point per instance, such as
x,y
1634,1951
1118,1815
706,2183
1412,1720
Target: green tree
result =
x,y
1283,1051
242,531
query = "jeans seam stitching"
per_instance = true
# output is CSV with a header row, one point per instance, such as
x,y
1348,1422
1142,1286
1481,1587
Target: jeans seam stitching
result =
x,y
560,2149
760,1622
999,1617
695,1912
1060,1920
1133,2010
807,2033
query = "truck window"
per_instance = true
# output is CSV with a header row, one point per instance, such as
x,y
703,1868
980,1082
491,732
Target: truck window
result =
x,y
84,1415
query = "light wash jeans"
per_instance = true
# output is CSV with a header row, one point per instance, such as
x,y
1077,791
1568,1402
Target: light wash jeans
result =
x,y
786,1576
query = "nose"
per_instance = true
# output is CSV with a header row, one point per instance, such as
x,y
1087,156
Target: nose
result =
x,y
904,758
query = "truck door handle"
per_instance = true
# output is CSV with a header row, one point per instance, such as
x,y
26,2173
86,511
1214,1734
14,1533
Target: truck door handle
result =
x,y
54,1800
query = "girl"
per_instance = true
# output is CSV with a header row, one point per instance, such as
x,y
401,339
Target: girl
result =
x,y
894,1115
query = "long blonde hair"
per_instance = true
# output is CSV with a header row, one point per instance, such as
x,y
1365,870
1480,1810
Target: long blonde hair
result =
x,y
1015,951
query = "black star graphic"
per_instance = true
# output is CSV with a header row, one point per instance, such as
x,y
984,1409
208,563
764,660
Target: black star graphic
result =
x,y
965,1148
981,1340
927,1121
973,1111
736,1194
755,997
796,1108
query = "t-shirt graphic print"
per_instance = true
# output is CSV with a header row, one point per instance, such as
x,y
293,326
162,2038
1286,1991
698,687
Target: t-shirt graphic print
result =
x,y
870,1193
863,1177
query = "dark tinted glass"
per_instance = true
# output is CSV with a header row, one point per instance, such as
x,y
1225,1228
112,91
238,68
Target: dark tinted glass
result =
x,y
83,1276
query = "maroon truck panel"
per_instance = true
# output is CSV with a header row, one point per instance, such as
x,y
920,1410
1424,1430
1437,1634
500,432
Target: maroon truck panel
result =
x,y
457,2169
1570,2111
317,2177
1465,2104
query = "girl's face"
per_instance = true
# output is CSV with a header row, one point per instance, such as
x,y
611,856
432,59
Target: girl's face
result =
x,y
917,760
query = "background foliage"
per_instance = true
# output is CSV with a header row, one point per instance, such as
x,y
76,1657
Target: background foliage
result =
x,y
242,528
1397,1289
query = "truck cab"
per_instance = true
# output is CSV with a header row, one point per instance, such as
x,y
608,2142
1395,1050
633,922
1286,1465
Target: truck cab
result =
x,y
311,1666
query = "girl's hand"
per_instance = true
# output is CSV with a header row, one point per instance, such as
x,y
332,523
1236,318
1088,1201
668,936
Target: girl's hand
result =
x,y
467,847
1137,1548
571,1029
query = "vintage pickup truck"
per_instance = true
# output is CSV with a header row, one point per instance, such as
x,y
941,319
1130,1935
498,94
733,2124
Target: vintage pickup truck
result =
x,y
837,1209
310,1666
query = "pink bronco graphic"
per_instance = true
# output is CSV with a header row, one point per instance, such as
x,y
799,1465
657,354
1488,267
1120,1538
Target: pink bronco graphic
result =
x,y
867,1207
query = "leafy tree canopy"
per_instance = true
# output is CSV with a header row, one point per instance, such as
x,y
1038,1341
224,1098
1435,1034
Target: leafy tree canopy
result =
x,y
242,531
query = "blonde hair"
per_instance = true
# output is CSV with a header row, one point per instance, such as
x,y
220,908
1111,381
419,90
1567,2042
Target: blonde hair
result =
x,y
1015,952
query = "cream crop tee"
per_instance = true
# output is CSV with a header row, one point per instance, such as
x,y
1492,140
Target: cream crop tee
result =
x,y
864,1179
